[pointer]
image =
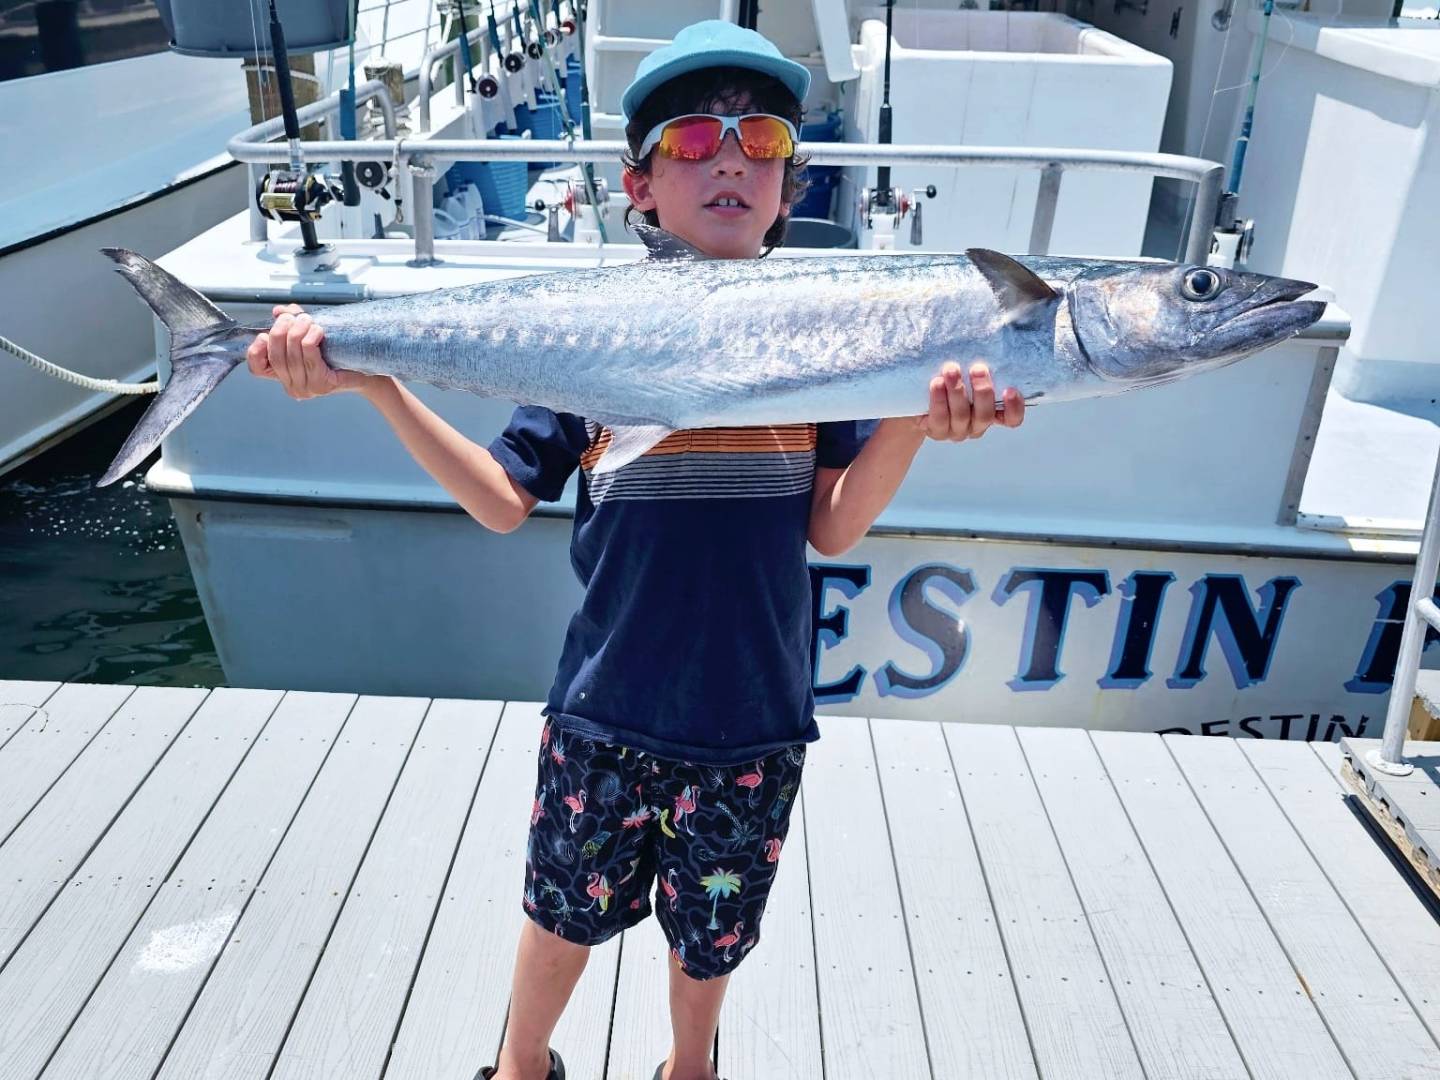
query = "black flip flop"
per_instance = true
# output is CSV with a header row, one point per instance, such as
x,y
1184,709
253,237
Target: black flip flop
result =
x,y
659,1072
557,1069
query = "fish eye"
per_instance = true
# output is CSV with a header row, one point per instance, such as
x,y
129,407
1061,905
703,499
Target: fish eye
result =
x,y
1200,284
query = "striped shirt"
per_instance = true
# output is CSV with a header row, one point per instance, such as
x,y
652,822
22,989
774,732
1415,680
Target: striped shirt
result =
x,y
693,638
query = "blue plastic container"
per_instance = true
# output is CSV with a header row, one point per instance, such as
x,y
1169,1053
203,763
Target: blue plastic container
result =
x,y
816,202
545,120
503,184
572,91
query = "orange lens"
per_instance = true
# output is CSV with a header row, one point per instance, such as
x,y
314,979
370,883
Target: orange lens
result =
x,y
697,138
765,137
691,138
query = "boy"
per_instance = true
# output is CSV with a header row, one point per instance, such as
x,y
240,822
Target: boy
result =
x,y
675,732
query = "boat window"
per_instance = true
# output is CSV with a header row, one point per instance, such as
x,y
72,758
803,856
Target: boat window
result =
x,y
37,36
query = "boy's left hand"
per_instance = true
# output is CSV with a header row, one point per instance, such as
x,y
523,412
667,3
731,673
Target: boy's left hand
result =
x,y
954,418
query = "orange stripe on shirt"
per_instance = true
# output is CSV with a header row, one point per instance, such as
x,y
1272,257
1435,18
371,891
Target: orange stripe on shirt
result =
x,y
787,439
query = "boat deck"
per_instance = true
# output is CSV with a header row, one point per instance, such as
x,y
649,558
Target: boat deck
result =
x,y
245,883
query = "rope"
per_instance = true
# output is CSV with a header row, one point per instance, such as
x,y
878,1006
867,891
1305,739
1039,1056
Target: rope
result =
x,y
109,386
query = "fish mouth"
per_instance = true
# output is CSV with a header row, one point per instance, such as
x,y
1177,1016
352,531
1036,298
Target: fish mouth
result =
x,y
1273,311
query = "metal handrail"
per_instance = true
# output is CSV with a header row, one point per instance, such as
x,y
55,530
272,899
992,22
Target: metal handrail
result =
x,y
419,153
1420,614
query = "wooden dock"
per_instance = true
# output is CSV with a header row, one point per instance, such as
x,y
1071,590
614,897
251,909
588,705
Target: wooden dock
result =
x,y
249,884
1406,807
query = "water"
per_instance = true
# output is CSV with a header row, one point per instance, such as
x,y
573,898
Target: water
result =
x,y
94,584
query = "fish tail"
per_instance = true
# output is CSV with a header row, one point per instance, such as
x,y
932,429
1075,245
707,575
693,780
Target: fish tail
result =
x,y
204,348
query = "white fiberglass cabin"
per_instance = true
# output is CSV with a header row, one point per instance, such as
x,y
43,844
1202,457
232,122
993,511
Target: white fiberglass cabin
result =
x,y
1134,562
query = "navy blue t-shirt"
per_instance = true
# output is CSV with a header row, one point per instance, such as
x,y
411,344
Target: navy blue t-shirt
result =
x,y
693,640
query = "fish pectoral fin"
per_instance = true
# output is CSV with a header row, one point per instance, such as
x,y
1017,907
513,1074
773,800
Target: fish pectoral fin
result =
x,y
628,442
665,246
1021,292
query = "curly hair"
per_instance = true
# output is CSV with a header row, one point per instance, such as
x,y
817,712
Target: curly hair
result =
x,y
719,89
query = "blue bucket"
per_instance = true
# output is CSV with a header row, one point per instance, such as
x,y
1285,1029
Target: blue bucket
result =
x,y
816,202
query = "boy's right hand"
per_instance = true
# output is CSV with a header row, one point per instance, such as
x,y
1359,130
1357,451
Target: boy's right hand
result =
x,y
289,352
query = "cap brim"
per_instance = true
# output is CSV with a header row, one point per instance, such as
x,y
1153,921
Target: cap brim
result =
x,y
795,77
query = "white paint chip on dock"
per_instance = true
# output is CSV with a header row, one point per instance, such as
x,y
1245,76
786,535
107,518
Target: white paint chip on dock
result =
x,y
179,948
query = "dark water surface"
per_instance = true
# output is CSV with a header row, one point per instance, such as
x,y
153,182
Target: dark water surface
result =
x,y
94,585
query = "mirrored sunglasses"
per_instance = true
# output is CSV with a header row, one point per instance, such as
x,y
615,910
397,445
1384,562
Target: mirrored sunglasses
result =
x,y
698,136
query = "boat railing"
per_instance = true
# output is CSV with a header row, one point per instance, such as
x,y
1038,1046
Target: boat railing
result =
x,y
1421,614
418,153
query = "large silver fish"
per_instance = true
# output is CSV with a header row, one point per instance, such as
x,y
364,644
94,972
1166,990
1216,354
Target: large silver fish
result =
x,y
682,341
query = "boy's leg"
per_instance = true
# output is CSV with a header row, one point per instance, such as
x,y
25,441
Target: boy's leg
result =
x,y
717,860
587,878
694,1016
547,967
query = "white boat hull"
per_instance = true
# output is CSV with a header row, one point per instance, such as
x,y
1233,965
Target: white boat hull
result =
x,y
426,602
63,301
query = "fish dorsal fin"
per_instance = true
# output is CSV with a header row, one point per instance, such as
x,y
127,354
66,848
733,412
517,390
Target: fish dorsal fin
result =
x,y
628,442
666,246
1021,292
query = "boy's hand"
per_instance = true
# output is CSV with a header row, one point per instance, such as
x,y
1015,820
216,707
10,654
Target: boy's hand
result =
x,y
290,353
954,418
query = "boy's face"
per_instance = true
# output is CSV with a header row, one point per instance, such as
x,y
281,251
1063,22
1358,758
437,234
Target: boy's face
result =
x,y
683,194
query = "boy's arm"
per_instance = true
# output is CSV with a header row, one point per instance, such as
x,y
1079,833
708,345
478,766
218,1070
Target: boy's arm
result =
x,y
847,501
465,469
290,354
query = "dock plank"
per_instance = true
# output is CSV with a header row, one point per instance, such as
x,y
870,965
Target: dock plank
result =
x,y
239,1023
967,996
50,976
456,1012
582,1036
869,1004
1270,1015
770,1025
42,749
1369,1019
1076,1025
18,701
128,1024
375,948
1175,1024
1400,927
49,845
640,1030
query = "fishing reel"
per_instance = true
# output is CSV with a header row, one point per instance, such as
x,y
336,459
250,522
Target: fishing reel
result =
x,y
576,194
487,87
285,195
514,62
882,210
1232,237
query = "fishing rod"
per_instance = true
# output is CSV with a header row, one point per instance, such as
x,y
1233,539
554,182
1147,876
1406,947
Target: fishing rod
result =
x,y
347,111
465,50
1233,237
885,198
294,194
883,203
595,192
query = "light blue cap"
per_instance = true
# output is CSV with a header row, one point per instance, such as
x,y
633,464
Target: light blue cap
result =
x,y
712,43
